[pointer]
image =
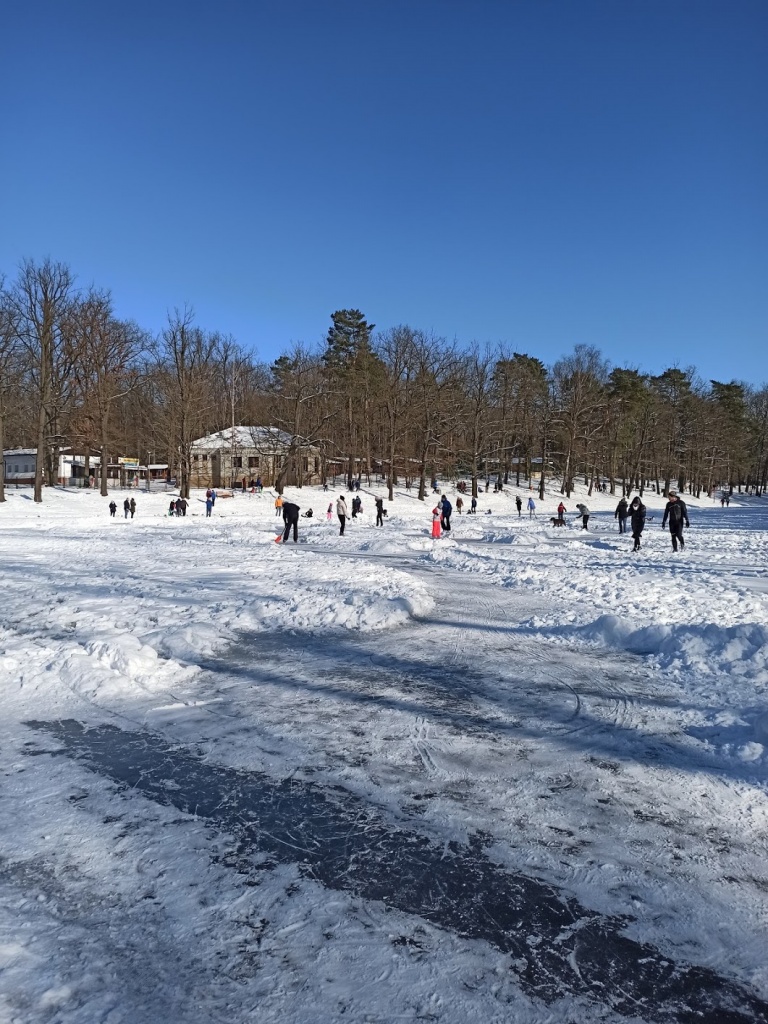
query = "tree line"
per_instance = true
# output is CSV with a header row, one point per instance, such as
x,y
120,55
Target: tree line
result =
x,y
398,404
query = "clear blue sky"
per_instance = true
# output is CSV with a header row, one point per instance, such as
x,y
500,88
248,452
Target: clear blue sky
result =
x,y
538,173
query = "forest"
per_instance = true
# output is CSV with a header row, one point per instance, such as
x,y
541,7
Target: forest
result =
x,y
398,405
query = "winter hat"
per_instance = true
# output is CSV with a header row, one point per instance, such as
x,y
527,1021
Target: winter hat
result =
x,y
672,494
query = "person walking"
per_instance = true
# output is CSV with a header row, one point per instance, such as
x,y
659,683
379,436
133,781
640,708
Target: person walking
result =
x,y
446,508
132,507
208,506
329,513
213,497
279,505
621,513
341,513
584,513
637,520
379,511
473,506
291,519
126,507
531,508
677,514
172,507
561,510
459,504
112,508
181,506
436,528
519,504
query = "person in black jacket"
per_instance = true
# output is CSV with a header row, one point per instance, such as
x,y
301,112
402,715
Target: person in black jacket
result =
x,y
379,511
637,521
621,513
291,519
677,514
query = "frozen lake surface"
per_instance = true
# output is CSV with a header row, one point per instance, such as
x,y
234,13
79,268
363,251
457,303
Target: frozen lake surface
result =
x,y
518,773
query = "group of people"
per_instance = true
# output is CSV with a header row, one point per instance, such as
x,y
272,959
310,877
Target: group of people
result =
x,y
675,513
129,508
177,507
210,500
290,512
441,517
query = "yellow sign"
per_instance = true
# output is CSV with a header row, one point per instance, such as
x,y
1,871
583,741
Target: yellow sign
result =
x,y
128,463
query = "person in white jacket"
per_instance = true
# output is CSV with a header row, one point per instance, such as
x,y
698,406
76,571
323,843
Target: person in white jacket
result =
x,y
584,513
341,512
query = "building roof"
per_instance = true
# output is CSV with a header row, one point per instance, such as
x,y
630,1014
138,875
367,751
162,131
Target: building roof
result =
x,y
20,451
244,437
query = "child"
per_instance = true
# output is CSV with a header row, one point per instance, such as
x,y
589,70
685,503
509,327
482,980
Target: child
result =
x,y
436,528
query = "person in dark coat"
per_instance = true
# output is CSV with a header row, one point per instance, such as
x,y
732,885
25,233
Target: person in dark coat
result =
x,y
473,506
637,521
677,514
379,511
445,513
181,506
132,507
519,503
172,507
126,507
112,508
621,513
291,519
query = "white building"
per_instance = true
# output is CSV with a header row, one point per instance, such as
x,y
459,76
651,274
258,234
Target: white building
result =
x,y
228,457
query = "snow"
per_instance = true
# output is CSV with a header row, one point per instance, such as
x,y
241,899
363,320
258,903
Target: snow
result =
x,y
284,782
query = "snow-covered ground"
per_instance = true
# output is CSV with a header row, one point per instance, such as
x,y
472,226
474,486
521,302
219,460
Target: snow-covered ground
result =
x,y
515,774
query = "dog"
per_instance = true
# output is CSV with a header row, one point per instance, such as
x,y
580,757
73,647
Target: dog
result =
x,y
556,521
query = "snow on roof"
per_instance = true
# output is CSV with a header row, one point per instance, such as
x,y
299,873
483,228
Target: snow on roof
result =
x,y
20,451
245,437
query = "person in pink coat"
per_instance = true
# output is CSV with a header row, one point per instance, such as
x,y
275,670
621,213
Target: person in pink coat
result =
x,y
436,528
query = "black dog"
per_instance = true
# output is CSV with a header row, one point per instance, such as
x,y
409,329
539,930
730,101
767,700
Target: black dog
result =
x,y
557,522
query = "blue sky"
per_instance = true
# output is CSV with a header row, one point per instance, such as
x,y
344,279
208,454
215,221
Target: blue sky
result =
x,y
539,173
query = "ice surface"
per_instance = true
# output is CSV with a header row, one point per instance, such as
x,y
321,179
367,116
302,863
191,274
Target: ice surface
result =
x,y
539,762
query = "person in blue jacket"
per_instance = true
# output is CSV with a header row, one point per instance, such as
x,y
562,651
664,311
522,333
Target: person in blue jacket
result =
x,y
445,513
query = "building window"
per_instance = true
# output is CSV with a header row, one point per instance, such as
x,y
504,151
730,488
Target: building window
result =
x,y
237,462
204,458
195,458
306,465
317,464
253,462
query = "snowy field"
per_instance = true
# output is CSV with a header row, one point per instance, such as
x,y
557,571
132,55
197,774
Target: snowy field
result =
x,y
515,774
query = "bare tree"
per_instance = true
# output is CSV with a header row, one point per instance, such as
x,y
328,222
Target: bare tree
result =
x,y
40,302
106,366
579,382
395,349
297,388
9,372
186,364
476,370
